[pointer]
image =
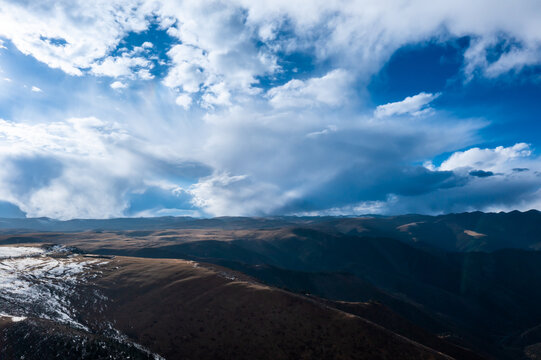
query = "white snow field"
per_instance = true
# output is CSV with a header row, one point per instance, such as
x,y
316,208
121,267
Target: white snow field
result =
x,y
38,282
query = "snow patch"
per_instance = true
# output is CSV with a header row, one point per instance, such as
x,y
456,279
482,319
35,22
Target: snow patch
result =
x,y
13,318
19,251
36,282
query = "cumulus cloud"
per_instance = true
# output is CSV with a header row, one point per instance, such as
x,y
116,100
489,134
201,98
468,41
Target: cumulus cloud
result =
x,y
414,105
36,89
184,100
331,89
124,65
233,44
238,193
118,85
499,159
70,35
187,73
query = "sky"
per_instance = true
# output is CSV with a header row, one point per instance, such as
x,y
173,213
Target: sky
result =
x,y
129,108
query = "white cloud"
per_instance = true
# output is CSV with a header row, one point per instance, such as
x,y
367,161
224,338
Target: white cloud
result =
x,y
515,59
70,35
217,94
224,194
2,46
331,89
184,100
499,159
118,85
121,66
187,73
329,129
217,44
36,89
144,74
77,136
362,35
415,105
234,43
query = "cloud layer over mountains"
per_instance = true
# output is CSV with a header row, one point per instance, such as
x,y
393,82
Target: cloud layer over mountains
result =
x,y
254,108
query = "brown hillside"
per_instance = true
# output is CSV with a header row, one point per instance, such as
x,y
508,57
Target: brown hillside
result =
x,y
183,310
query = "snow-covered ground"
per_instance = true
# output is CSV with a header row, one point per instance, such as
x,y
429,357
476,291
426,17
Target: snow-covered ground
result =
x,y
13,318
43,283
19,251
39,282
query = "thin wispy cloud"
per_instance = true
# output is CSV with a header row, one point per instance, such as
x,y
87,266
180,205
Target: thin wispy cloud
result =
x,y
415,105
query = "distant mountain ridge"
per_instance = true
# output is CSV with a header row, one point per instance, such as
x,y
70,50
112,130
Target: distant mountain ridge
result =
x,y
474,231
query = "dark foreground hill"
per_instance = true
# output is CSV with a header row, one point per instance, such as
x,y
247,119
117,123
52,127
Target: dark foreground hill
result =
x,y
175,309
185,310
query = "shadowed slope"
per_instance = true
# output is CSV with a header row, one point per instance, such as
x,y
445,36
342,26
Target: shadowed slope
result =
x,y
182,310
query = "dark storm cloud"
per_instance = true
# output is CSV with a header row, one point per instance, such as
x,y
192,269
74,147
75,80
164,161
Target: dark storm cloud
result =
x,y
481,173
364,184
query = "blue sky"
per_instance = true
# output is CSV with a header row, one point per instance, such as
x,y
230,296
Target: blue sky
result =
x,y
211,108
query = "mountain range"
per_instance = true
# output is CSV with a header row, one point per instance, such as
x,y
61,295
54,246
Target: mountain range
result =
x,y
463,286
